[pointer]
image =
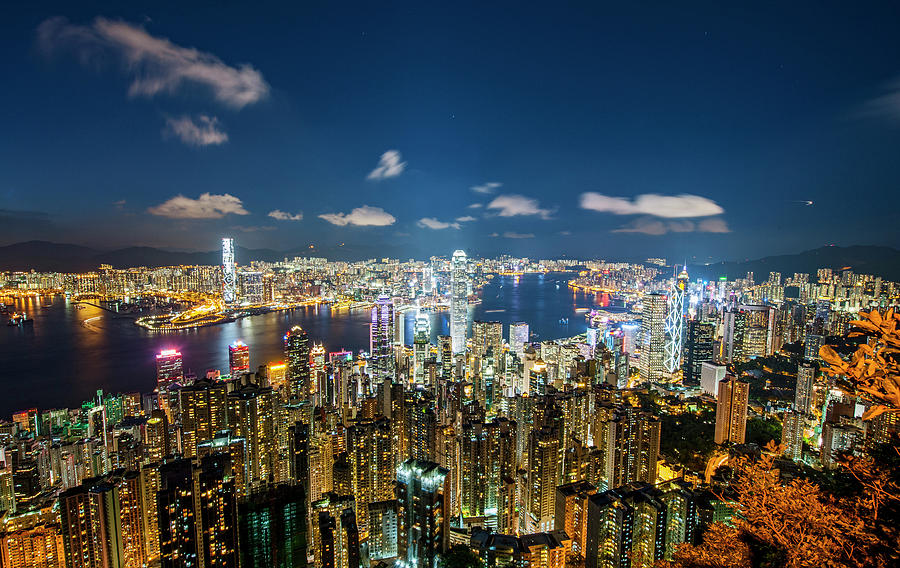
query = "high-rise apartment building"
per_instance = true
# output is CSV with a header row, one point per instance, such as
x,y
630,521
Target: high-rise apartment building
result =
x,y
424,518
459,301
653,337
251,416
749,332
632,448
803,392
421,347
731,411
296,355
204,411
369,445
273,528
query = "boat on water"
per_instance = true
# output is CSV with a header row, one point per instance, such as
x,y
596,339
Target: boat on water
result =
x,y
19,319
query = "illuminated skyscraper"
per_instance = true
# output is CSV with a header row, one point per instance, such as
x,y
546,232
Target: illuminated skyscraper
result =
x,y
204,411
699,345
238,358
731,411
749,331
229,271
381,339
32,540
421,347
518,337
251,416
169,368
424,517
806,374
674,326
296,353
371,464
273,528
653,337
792,434
632,448
459,301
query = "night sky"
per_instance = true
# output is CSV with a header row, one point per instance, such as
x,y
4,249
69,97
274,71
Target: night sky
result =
x,y
593,129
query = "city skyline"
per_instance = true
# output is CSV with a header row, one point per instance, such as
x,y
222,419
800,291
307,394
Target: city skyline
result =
x,y
713,134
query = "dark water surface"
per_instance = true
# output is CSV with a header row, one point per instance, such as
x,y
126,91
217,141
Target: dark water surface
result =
x,y
69,353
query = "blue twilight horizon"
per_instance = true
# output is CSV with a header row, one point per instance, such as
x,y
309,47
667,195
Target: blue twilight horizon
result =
x,y
696,130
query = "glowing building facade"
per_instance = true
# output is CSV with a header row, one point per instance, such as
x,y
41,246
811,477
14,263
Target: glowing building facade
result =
x,y
653,337
238,358
674,326
459,301
229,271
381,337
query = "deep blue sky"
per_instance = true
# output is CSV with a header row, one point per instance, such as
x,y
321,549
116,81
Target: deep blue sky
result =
x,y
755,111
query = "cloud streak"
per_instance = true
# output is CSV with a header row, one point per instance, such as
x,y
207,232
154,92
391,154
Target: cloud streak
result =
x,y
435,224
204,131
154,64
654,226
280,215
364,216
513,205
389,165
207,206
488,187
666,206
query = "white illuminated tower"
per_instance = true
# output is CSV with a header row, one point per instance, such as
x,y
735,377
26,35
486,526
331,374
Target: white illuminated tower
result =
x,y
381,337
459,301
653,338
675,323
229,273
421,346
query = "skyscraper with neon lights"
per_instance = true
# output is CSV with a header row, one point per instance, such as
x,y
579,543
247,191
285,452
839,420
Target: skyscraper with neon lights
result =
x,y
238,357
459,301
381,337
229,272
674,327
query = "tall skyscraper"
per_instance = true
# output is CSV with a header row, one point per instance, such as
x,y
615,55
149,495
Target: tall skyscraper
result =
x,y
369,443
459,301
421,347
204,411
749,332
251,416
32,540
381,340
699,347
710,377
632,448
731,411
424,517
487,336
792,434
518,337
273,528
803,393
653,337
169,368
674,326
229,272
238,358
296,353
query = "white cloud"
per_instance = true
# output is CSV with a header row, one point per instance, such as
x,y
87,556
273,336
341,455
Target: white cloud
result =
x,y
885,105
488,187
389,165
253,229
653,226
155,64
204,131
364,216
465,219
514,205
667,206
207,206
285,216
512,235
476,206
432,223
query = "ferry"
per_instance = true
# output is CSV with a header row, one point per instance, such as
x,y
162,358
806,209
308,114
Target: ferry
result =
x,y
19,319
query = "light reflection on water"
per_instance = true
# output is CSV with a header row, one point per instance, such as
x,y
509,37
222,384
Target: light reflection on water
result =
x,y
59,361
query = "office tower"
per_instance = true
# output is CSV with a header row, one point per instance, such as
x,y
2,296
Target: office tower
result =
x,y
653,337
711,376
336,536
571,511
229,272
792,434
487,337
204,411
459,301
296,354
543,475
369,445
421,347
445,354
632,447
33,540
224,442
169,368
731,411
803,392
238,358
318,374
156,437
538,379
699,346
518,337
273,528
424,519
381,340
749,332
251,416
196,507
674,325
383,530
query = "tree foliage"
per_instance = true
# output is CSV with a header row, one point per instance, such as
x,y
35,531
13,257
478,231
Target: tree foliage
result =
x,y
460,556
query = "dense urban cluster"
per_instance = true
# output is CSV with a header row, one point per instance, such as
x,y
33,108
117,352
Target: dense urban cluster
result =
x,y
601,450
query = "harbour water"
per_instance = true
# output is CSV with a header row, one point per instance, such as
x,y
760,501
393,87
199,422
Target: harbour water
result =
x,y
69,352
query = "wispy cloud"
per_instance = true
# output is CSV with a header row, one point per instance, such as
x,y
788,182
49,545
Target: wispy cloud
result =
x,y
364,216
202,131
207,206
465,219
653,226
512,235
488,187
435,224
154,64
476,205
515,205
885,105
667,206
389,165
285,216
253,228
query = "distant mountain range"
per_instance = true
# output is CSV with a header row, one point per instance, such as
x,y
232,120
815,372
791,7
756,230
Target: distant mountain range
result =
x,y
47,256
876,260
